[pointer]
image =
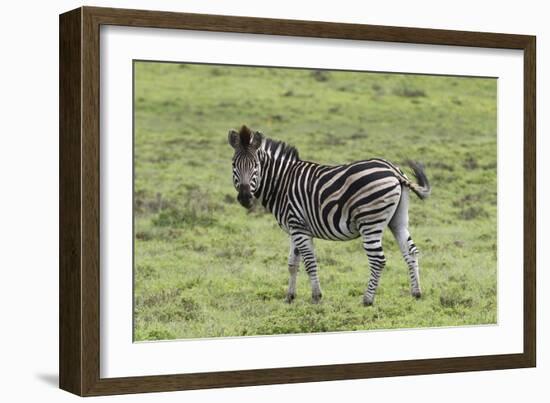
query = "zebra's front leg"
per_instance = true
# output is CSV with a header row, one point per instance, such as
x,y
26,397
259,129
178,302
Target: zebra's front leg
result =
x,y
304,243
372,243
293,264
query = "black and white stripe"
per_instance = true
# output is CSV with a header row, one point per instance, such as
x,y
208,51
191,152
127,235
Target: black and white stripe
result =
x,y
340,202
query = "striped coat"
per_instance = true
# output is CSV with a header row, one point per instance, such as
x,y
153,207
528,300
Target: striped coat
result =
x,y
342,202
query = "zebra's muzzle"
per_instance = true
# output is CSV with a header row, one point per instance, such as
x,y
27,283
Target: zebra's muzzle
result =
x,y
245,197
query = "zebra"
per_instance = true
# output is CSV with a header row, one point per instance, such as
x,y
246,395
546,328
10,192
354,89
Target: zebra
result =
x,y
340,203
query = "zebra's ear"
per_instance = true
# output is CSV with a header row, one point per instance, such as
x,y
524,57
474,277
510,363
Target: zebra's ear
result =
x,y
233,138
256,140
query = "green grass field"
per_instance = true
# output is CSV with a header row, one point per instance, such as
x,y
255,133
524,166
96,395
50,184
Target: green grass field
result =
x,y
206,267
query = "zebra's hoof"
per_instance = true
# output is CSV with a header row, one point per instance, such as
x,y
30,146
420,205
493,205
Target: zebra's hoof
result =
x,y
416,294
368,301
316,298
290,298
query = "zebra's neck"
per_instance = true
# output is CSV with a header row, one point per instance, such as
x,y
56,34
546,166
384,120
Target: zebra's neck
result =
x,y
277,161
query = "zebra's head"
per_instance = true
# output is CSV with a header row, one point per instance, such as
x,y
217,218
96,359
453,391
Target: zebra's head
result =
x,y
246,163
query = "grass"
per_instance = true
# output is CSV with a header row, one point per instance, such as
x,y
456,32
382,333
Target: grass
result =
x,y
205,267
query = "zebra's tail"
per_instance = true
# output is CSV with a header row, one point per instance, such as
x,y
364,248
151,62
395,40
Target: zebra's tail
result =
x,y
422,188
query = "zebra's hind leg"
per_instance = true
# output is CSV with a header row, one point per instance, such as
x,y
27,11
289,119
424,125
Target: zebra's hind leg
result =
x,y
293,264
304,243
372,243
399,225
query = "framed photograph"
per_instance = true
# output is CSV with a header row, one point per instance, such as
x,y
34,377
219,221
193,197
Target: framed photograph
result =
x,y
249,201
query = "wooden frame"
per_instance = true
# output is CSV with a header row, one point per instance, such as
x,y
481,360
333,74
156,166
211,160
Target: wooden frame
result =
x,y
79,201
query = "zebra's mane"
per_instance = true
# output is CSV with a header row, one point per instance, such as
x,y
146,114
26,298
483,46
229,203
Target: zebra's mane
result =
x,y
287,151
